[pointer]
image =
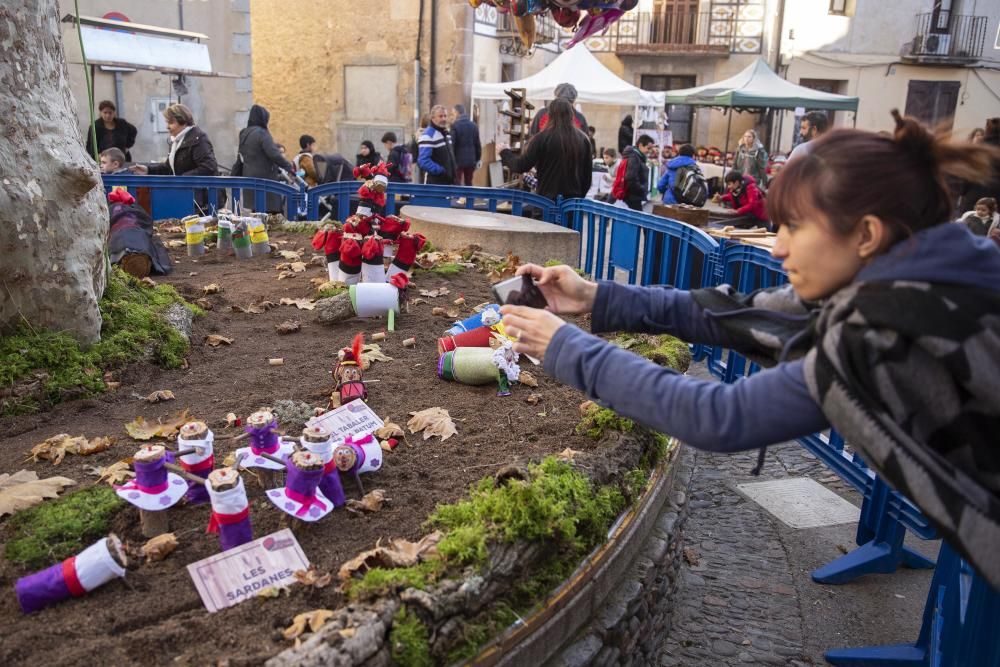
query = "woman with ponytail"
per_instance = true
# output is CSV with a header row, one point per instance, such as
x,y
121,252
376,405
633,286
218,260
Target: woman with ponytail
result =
x,y
888,330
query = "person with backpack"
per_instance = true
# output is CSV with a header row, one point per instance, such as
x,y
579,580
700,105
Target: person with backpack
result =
x,y
400,159
682,181
303,160
744,196
633,174
751,158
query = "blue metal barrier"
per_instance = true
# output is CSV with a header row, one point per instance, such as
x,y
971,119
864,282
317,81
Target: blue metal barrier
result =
x,y
174,196
959,627
443,196
652,249
885,513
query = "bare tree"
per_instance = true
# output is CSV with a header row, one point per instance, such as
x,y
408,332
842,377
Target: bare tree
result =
x,y
53,214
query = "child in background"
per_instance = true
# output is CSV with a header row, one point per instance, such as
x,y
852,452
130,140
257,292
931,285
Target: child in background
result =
x,y
983,220
113,161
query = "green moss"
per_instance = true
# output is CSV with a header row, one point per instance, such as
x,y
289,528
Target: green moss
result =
x,y
57,529
447,269
299,228
664,350
409,640
636,481
132,329
556,504
380,581
330,291
598,421
477,632
557,262
428,247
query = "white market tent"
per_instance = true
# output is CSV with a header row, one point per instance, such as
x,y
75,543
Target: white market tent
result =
x,y
595,83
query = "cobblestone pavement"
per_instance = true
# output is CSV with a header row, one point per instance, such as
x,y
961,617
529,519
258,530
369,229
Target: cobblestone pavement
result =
x,y
745,596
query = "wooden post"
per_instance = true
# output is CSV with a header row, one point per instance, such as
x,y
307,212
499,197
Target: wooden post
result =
x,y
152,523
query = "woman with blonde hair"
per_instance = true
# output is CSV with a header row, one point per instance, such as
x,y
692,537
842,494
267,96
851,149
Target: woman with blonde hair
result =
x,y
751,158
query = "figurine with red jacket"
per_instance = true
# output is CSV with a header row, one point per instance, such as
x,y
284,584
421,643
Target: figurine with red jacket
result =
x,y
743,194
348,373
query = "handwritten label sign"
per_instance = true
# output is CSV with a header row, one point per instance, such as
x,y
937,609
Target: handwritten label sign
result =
x,y
354,418
239,574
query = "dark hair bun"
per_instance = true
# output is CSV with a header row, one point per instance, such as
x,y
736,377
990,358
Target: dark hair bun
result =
x,y
915,140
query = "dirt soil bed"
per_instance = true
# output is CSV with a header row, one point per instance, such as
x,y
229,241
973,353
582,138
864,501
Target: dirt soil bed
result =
x,y
159,618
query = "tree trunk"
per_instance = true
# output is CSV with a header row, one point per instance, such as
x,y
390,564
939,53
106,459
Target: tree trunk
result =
x,y
53,214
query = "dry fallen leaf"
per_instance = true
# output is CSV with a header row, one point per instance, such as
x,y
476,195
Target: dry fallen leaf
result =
x,y
432,421
171,229
417,302
204,303
533,399
371,353
160,395
262,307
312,577
372,502
389,430
314,620
271,592
159,547
346,633
301,304
527,379
567,455
397,553
176,243
141,430
58,446
116,473
212,288
23,489
288,326
289,254
215,340
148,282
298,267
433,293
231,419
691,556
587,406
286,274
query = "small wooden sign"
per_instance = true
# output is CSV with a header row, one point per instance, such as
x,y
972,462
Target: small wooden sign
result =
x,y
354,418
239,574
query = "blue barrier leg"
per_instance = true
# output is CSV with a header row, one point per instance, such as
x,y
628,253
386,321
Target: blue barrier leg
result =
x,y
881,538
959,629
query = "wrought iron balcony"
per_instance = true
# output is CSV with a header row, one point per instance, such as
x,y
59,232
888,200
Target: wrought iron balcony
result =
x,y
943,37
673,33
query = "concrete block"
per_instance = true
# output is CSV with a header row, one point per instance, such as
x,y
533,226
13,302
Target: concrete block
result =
x,y
582,653
496,233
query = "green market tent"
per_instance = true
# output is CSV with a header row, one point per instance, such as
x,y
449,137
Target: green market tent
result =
x,y
758,87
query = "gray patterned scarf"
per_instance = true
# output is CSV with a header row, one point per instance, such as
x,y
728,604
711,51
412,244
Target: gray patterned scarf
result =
x,y
909,373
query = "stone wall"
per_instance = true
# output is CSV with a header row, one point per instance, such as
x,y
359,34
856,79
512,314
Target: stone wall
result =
x,y
311,56
633,621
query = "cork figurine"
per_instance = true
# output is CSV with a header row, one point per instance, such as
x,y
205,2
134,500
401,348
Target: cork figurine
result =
x,y
348,373
195,454
74,577
230,518
319,441
358,454
301,497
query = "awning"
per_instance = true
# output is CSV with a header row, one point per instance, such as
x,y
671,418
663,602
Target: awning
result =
x,y
145,47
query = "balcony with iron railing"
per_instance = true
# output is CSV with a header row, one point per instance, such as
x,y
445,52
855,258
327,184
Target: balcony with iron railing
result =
x,y
672,33
943,37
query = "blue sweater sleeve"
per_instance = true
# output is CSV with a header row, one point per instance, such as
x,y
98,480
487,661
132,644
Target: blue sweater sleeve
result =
x,y
768,407
657,309
425,161
664,181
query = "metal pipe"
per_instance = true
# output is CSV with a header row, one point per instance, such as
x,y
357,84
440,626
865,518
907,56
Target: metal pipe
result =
x,y
725,151
777,70
416,69
119,91
433,65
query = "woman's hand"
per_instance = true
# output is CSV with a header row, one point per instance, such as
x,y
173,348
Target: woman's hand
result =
x,y
139,169
565,291
532,327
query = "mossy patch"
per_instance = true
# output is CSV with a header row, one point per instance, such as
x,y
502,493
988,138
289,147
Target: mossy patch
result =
x,y
381,581
598,421
57,529
555,503
330,291
557,262
446,269
409,640
40,368
308,228
664,350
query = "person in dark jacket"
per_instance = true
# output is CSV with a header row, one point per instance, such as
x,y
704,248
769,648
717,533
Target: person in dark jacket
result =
x,y
886,331
112,132
436,157
400,159
259,157
636,171
560,153
367,154
744,196
625,133
191,152
666,183
970,192
564,91
468,149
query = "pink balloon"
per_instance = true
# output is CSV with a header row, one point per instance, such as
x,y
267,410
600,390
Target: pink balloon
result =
x,y
595,23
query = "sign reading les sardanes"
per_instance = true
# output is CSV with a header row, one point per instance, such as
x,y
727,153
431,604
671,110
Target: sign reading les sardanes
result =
x,y
241,573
